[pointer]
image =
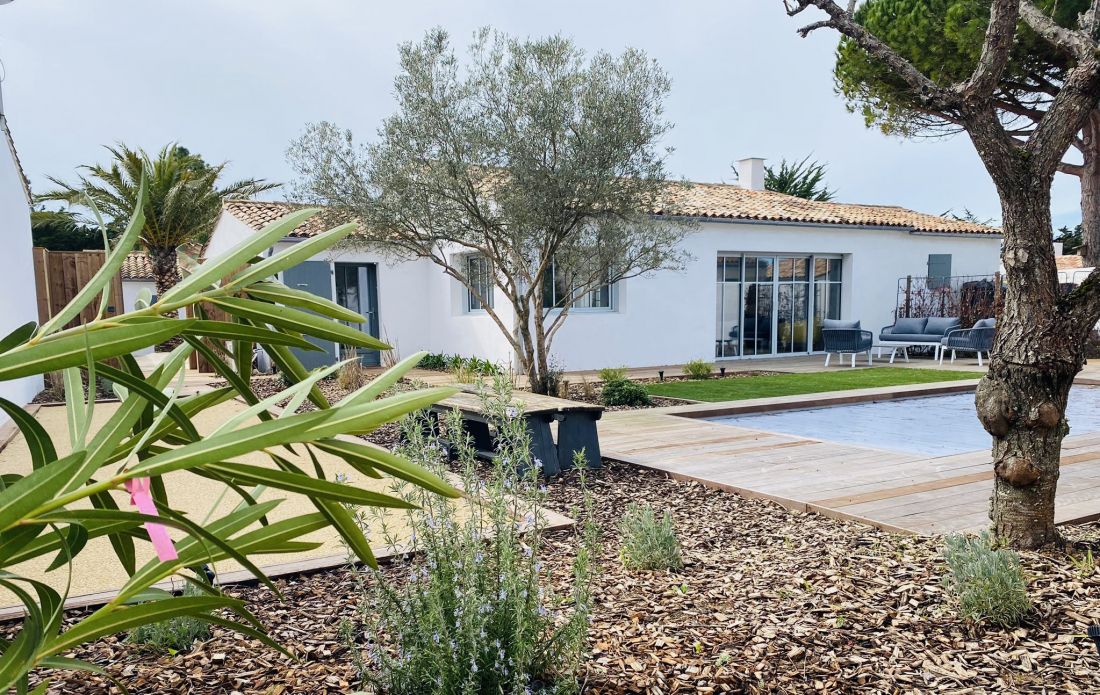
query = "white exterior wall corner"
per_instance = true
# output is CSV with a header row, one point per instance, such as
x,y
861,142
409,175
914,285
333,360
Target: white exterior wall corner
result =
x,y
16,267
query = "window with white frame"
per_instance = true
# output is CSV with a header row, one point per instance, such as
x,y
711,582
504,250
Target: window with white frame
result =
x,y
479,275
557,289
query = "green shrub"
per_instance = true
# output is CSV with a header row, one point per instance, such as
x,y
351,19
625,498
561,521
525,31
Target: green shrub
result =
x,y
649,543
440,362
477,613
434,361
624,392
175,634
609,374
698,369
988,583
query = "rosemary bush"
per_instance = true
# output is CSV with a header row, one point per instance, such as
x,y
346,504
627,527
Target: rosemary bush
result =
x,y
649,542
475,612
987,582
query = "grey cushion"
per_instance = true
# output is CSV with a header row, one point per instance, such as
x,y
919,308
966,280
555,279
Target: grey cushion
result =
x,y
938,325
908,337
837,323
910,326
986,323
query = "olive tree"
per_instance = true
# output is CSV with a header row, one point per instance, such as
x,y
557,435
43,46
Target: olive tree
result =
x,y
1040,339
540,163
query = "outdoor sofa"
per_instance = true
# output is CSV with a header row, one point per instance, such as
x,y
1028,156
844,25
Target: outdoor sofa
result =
x,y
977,339
845,338
926,331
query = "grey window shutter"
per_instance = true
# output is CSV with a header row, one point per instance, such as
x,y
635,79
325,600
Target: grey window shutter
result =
x,y
939,269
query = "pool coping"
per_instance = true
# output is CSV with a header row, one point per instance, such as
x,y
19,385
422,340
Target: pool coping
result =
x,y
824,399
821,399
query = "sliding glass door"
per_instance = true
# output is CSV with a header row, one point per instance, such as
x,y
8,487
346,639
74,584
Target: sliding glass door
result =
x,y
794,305
764,304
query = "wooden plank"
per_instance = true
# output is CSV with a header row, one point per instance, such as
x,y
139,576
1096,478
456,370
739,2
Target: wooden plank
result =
x,y
890,490
42,288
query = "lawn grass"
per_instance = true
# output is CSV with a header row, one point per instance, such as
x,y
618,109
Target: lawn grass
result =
x,y
769,386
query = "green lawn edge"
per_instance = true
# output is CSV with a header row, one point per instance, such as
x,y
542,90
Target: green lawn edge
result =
x,y
774,385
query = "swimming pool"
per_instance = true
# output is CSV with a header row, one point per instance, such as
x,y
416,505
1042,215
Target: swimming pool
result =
x,y
932,426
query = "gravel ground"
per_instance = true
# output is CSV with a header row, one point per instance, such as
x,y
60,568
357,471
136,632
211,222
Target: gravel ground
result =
x,y
768,601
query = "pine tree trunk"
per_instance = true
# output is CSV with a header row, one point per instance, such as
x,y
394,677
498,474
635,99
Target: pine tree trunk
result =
x,y
1021,402
1090,190
166,274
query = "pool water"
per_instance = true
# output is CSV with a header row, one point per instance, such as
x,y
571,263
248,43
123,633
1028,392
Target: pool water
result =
x,y
932,426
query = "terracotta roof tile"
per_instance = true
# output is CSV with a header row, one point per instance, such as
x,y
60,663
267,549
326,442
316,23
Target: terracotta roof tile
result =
x,y
259,213
1069,262
137,266
706,201
724,201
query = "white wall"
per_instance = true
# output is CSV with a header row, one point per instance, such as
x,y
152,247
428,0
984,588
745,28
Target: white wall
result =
x,y
16,268
669,317
664,318
228,233
130,290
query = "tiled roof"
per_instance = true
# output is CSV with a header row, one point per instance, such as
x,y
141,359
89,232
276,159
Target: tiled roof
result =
x,y
1069,262
707,201
259,213
724,201
137,266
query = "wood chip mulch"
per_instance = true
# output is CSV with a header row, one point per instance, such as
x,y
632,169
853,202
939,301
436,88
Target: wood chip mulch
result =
x,y
768,601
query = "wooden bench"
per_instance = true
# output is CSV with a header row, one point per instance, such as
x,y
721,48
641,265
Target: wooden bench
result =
x,y
576,427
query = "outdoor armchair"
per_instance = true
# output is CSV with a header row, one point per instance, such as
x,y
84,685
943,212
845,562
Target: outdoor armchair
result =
x,y
978,339
846,337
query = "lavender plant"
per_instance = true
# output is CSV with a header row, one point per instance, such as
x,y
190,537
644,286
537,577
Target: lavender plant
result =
x,y
475,612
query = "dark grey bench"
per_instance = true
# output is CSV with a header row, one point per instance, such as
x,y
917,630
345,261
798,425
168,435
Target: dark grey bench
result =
x,y
576,427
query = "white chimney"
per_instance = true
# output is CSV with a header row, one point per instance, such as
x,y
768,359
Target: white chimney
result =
x,y
1058,249
750,173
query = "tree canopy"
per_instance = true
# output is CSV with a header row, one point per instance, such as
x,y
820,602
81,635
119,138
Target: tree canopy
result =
x,y
943,40
530,154
59,230
184,199
803,179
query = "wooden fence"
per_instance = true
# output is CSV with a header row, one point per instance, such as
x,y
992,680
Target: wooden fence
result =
x,y
59,275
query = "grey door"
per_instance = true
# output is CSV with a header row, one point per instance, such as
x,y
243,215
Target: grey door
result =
x,y
314,277
357,289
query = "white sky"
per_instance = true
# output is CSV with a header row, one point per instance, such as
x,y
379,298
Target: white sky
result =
x,y
237,80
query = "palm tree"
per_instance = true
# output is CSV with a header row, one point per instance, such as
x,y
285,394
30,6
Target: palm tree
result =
x,y
184,199
803,179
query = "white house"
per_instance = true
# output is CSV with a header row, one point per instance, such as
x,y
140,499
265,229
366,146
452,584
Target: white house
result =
x,y
16,263
766,268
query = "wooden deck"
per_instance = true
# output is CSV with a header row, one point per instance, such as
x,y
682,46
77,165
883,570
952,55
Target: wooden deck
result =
x,y
890,490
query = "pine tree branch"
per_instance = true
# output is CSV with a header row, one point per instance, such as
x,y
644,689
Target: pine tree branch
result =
x,y
928,92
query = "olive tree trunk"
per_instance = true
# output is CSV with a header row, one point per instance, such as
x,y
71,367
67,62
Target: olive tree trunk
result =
x,y
1022,399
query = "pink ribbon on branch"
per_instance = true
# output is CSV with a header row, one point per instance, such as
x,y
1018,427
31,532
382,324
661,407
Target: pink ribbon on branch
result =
x,y
158,534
